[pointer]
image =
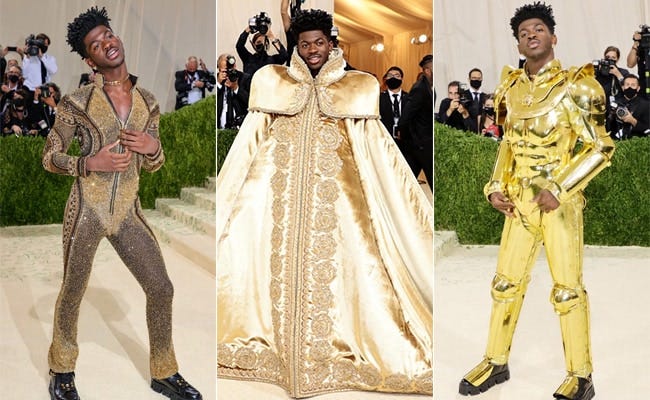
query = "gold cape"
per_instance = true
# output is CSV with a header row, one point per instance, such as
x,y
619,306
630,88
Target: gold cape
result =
x,y
324,254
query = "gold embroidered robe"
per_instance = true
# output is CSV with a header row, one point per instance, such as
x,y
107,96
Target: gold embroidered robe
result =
x,y
324,255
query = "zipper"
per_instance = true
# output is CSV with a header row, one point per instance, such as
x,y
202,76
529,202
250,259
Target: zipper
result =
x,y
116,175
120,148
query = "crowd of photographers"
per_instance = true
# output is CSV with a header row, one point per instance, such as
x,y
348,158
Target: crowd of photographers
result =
x,y
627,95
28,97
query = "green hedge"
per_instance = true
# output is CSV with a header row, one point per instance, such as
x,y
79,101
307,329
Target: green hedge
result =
x,y
617,212
31,195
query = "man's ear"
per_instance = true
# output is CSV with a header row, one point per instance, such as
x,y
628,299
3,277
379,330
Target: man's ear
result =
x,y
90,63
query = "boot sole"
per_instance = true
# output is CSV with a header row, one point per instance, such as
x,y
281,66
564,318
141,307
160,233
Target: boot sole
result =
x,y
465,388
159,388
590,394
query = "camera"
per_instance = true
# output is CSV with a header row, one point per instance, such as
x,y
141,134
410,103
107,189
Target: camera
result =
x,y
45,91
207,83
231,72
644,30
604,66
621,111
34,45
259,23
465,96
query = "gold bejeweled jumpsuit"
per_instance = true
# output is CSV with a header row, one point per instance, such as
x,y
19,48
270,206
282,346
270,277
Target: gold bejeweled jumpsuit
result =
x,y
106,204
544,118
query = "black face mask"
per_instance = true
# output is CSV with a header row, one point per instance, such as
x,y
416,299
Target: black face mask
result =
x,y
489,111
629,92
393,83
13,78
475,83
44,49
259,48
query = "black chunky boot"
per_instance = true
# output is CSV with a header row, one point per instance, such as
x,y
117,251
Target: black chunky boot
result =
x,y
482,377
176,388
576,388
62,386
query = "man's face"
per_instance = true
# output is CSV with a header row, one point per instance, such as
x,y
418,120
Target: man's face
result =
x,y
259,40
13,71
535,40
631,83
611,55
192,65
452,92
103,48
314,48
427,69
476,76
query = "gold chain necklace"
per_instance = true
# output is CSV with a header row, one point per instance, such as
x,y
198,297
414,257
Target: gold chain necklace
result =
x,y
117,82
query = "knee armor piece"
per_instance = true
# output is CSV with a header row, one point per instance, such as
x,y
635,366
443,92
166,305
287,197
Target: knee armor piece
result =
x,y
504,290
565,299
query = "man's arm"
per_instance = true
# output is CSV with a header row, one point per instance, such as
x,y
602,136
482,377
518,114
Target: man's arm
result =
x,y
180,84
243,53
55,158
587,119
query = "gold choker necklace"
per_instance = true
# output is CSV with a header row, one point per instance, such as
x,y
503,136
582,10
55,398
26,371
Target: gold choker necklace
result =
x,y
118,82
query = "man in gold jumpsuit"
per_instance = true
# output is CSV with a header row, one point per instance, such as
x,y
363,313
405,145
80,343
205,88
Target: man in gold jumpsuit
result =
x,y
537,183
116,123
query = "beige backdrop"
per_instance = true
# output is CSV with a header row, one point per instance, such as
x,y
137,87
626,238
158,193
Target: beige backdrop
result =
x,y
476,33
158,36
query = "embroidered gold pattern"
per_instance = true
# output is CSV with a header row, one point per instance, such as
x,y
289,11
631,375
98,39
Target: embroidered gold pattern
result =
x,y
308,356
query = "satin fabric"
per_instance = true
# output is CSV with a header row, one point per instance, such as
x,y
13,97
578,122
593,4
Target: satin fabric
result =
x,y
324,256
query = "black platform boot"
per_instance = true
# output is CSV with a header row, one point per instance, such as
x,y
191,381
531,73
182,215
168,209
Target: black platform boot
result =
x,y
62,386
576,388
176,388
482,377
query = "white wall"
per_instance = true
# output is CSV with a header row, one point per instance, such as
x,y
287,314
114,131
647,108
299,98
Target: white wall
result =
x,y
476,33
158,36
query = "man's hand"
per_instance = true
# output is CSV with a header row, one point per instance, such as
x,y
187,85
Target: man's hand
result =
x,y
463,111
502,203
107,161
546,201
199,84
139,142
232,85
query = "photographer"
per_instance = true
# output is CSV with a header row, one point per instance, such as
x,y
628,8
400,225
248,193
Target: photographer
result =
x,y
14,119
639,56
192,82
608,74
233,87
260,27
454,111
12,83
42,112
629,113
38,66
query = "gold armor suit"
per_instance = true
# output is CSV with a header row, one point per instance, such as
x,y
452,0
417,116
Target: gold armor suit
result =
x,y
324,256
544,119
106,204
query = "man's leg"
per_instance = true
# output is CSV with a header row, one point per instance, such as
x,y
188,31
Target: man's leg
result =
x,y
79,247
564,251
82,232
520,244
139,250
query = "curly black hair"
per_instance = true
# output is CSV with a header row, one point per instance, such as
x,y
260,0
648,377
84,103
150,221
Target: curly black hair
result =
x,y
536,10
84,23
312,20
